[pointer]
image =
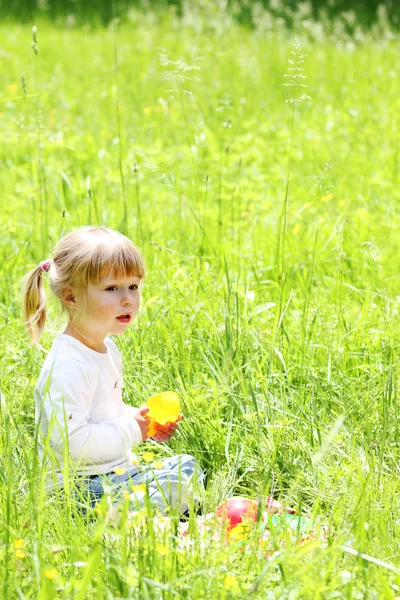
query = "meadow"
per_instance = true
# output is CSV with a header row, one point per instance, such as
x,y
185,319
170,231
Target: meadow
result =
x,y
267,213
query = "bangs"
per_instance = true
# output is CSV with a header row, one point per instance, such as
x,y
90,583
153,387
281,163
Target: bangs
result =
x,y
118,258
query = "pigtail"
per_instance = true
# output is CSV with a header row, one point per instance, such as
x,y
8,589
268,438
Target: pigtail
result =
x,y
34,302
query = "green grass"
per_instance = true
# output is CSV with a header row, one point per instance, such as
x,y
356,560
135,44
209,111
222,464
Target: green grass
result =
x,y
271,303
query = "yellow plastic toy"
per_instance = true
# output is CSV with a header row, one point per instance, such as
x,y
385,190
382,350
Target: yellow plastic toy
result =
x,y
164,408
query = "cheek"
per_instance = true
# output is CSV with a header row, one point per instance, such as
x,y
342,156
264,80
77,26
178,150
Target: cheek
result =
x,y
104,305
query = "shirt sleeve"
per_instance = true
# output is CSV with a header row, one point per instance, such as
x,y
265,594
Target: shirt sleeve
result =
x,y
69,390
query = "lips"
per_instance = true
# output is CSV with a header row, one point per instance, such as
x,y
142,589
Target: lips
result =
x,y
126,318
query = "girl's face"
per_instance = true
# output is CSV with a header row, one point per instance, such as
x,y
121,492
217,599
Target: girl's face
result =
x,y
109,306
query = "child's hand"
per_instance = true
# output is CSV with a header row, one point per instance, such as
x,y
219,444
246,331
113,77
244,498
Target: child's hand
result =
x,y
165,432
143,421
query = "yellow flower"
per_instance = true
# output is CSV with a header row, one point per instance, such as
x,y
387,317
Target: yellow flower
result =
x,y
161,549
342,202
158,464
148,456
51,573
135,461
20,554
138,488
296,229
19,543
147,110
327,197
119,470
99,509
126,495
12,88
230,582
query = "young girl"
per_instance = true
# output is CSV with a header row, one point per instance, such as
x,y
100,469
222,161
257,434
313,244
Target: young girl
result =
x,y
85,427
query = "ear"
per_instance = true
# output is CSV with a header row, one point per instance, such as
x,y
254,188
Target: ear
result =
x,y
68,296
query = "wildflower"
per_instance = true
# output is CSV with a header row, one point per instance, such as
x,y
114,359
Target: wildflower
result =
x,y
20,554
18,544
327,197
51,573
119,470
13,88
296,229
141,487
230,583
162,549
148,456
99,509
158,464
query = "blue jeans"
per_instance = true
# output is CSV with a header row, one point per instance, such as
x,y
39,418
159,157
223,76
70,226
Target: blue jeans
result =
x,y
167,486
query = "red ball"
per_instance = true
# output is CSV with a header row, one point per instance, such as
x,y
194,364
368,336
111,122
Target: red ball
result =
x,y
235,510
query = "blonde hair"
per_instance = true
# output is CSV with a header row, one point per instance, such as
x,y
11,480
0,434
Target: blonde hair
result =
x,y
81,257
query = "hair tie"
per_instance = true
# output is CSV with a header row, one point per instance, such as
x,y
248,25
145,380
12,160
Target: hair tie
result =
x,y
45,265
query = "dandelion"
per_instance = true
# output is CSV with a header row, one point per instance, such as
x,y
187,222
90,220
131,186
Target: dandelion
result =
x,y
296,229
99,509
20,554
119,470
148,456
51,573
158,464
18,544
141,487
231,583
13,88
162,549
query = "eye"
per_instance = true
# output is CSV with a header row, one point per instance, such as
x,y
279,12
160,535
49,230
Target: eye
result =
x,y
134,287
111,288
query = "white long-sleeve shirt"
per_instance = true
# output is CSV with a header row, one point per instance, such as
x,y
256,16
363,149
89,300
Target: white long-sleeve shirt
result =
x,y
78,397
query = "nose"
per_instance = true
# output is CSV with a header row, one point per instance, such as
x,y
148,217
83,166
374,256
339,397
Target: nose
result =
x,y
126,300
